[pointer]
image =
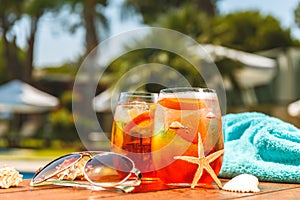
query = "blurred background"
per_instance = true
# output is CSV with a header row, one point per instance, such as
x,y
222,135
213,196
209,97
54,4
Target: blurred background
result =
x,y
255,45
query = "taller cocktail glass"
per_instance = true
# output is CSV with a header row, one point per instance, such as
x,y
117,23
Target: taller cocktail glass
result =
x,y
188,142
133,129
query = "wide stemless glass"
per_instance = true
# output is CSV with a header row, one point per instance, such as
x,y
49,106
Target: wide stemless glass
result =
x,y
132,130
188,128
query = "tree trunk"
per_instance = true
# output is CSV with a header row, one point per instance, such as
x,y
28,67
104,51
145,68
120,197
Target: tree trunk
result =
x,y
89,20
207,6
30,51
10,49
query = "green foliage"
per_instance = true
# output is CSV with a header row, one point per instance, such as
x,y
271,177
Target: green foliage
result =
x,y
3,68
145,56
151,11
249,31
67,69
36,8
11,11
62,121
91,18
61,118
19,62
186,19
297,14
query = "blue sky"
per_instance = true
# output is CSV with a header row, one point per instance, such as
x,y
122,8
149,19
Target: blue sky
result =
x,y
55,47
281,9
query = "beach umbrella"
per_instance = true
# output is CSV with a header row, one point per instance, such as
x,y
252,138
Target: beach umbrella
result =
x,y
19,97
249,59
257,70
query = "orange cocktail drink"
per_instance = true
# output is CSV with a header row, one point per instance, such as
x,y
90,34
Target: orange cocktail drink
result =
x,y
187,123
133,128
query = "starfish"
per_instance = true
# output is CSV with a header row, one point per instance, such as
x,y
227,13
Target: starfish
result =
x,y
203,163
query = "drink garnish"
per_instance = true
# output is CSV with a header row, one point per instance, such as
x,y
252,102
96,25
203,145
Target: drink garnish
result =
x,y
210,115
182,104
142,119
203,163
176,125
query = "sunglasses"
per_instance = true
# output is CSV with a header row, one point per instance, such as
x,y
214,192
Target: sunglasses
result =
x,y
102,170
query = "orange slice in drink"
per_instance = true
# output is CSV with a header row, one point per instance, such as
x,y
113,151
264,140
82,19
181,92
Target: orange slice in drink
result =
x,y
182,103
140,124
184,117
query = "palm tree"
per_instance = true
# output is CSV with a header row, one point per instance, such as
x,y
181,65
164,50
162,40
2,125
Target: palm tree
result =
x,y
10,13
93,20
19,61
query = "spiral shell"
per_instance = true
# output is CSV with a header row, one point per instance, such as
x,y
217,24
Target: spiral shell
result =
x,y
71,173
9,176
242,183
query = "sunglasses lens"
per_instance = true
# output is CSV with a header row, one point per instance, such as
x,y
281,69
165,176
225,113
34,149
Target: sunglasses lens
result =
x,y
110,168
55,166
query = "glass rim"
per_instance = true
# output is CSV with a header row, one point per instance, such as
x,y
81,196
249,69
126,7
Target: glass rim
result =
x,y
187,89
139,94
134,97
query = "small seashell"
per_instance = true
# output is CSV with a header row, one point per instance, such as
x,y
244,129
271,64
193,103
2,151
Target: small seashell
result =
x,y
242,183
71,173
176,125
210,115
9,177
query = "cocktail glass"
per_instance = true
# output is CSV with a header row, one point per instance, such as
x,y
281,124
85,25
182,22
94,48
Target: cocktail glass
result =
x,y
132,130
188,143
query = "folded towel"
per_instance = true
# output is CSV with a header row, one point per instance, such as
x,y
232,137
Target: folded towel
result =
x,y
261,145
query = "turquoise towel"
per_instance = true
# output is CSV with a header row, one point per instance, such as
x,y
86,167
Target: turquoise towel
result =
x,y
261,145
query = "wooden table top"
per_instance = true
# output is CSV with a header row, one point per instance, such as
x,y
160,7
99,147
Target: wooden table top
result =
x,y
268,191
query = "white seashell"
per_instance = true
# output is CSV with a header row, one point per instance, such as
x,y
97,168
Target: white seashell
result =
x,y
71,173
9,176
210,115
176,125
242,183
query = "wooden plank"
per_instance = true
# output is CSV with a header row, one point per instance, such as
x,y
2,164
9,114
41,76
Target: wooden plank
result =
x,y
209,192
24,191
